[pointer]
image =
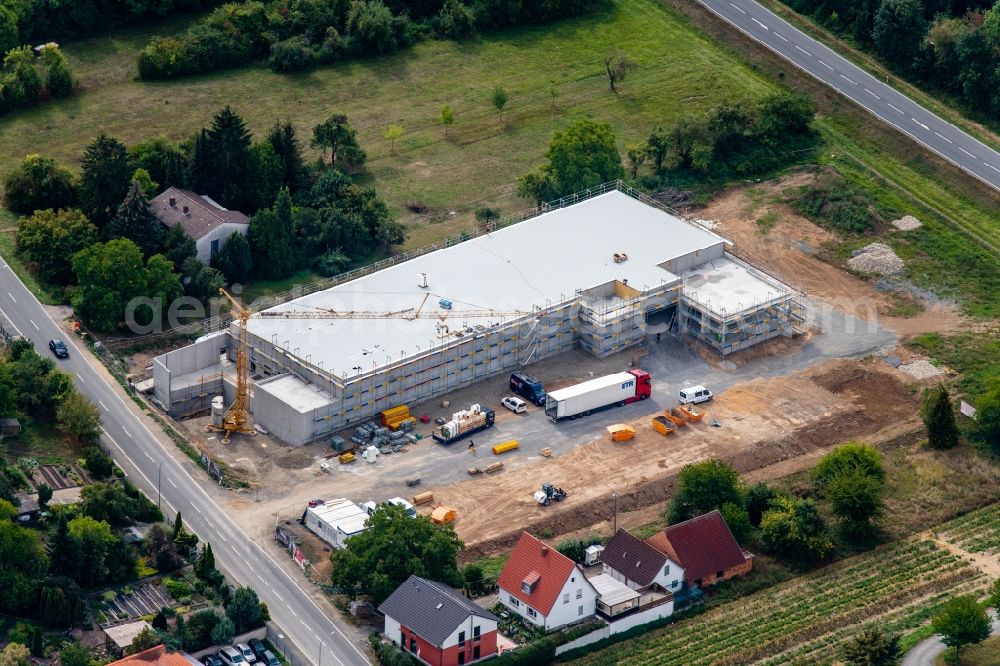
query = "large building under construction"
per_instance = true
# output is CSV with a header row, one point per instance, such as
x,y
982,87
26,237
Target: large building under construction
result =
x,y
598,271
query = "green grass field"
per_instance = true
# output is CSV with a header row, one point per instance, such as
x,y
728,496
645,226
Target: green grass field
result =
x,y
680,72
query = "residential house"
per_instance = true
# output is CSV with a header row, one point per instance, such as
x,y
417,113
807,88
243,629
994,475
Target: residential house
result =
x,y
635,577
544,586
705,547
154,656
204,220
437,625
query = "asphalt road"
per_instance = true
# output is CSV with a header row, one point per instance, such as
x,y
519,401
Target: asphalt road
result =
x,y
926,651
879,99
148,464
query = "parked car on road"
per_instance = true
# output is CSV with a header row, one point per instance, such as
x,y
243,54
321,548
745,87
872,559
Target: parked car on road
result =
x,y
59,348
247,653
230,656
515,405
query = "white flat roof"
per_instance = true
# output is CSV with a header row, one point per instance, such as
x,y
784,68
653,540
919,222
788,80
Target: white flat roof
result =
x,y
536,263
342,514
296,393
591,385
611,591
727,287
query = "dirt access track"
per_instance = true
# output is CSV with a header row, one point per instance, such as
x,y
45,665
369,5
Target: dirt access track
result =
x,y
781,405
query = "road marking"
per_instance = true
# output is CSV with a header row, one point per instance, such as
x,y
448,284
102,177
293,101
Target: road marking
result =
x,y
803,50
944,137
173,484
291,611
196,508
739,9
246,561
778,34
872,94
261,579
920,123
12,297
304,624
11,322
280,598
848,80
234,549
130,436
966,152
896,108
991,166
82,380
147,454
826,65
103,405
758,23
34,324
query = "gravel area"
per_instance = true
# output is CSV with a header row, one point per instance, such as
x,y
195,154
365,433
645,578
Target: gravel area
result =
x,y
922,369
907,223
876,258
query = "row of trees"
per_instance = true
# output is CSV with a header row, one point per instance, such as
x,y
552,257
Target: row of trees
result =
x,y
949,46
298,34
27,79
733,140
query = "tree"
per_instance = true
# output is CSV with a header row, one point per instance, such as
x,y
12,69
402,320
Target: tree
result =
x,y
447,117
58,77
939,418
201,281
372,26
227,145
136,222
199,166
108,502
178,526
993,601
60,548
849,457
235,259
39,183
50,239
337,135
872,647
15,654
394,546
44,495
737,519
178,246
793,528
223,632
204,567
75,654
898,30
856,500
9,37
636,154
270,239
457,20
962,621
90,541
37,646
392,133
472,576
499,100
286,146
146,182
244,610
144,640
703,487
987,428
99,465
162,160
487,215
581,156
162,549
265,175
758,499
618,66
107,172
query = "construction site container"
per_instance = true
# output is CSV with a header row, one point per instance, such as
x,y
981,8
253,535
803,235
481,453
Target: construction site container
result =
x,y
442,515
676,416
663,425
465,423
504,447
582,399
423,498
691,413
345,458
621,432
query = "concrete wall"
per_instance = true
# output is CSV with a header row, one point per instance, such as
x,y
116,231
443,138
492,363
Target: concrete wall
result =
x,y
618,626
285,421
176,395
678,265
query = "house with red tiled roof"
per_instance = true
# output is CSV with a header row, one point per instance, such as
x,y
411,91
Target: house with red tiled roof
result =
x,y
544,586
706,548
154,656
202,218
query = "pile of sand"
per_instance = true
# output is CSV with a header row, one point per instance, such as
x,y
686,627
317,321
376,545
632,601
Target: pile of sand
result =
x,y
877,258
907,223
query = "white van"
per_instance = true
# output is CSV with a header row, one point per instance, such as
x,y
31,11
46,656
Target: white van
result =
x,y
694,394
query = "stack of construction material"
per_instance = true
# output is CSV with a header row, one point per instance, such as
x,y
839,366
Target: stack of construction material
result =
x,y
396,418
877,258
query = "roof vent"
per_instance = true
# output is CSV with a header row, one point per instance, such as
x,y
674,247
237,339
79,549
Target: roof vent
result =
x,y
173,202
185,209
422,280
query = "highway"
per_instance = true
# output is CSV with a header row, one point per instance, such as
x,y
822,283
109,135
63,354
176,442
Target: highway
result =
x,y
879,99
149,465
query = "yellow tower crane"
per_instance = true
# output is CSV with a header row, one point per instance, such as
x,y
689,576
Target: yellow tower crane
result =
x,y
237,417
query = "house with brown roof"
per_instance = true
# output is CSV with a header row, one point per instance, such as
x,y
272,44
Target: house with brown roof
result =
x,y
637,564
705,547
544,586
204,220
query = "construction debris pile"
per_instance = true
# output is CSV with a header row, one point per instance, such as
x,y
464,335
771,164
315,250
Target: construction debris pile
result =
x,y
907,223
922,369
877,258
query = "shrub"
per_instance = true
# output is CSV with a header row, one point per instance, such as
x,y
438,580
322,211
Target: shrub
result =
x,y
833,202
291,55
39,183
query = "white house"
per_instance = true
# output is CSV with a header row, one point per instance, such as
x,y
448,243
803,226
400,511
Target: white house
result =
x,y
204,220
544,586
637,564
336,521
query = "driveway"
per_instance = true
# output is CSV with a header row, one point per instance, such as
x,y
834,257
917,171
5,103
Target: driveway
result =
x,y
927,651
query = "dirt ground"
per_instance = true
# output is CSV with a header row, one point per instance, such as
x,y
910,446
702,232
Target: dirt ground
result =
x,y
788,251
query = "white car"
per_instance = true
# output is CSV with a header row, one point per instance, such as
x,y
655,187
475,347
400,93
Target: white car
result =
x,y
694,394
248,654
515,405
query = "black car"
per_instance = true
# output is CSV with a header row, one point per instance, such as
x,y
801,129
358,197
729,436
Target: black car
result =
x,y
59,348
211,660
258,648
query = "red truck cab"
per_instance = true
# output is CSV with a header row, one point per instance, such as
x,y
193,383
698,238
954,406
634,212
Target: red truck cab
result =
x,y
643,385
